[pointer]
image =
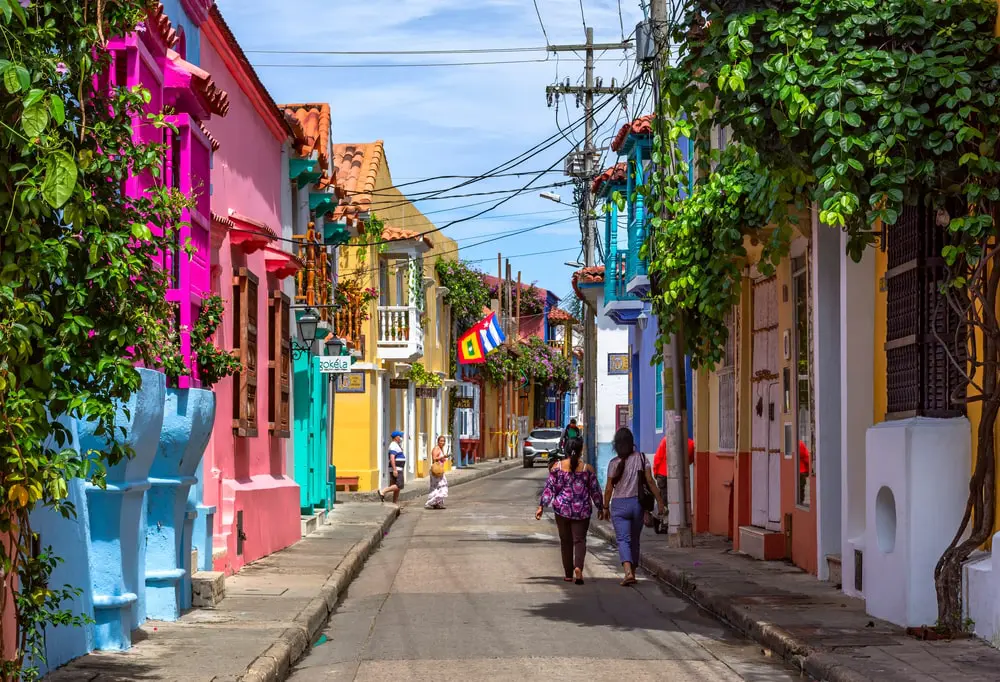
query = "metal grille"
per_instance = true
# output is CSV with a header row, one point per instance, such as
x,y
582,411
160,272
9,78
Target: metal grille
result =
x,y
920,375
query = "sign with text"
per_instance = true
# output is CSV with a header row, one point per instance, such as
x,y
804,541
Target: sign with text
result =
x,y
463,403
399,383
425,392
335,364
618,363
621,416
352,382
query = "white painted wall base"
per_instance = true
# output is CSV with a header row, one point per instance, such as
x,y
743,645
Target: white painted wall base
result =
x,y
917,479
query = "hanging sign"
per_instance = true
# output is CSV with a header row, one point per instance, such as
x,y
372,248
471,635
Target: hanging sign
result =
x,y
425,392
463,403
352,382
335,364
399,383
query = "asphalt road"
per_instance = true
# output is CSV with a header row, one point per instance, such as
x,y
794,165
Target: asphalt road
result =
x,y
475,592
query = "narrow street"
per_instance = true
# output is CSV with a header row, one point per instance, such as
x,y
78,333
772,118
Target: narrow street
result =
x,y
476,592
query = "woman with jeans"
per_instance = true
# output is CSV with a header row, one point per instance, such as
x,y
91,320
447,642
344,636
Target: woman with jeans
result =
x,y
570,489
621,497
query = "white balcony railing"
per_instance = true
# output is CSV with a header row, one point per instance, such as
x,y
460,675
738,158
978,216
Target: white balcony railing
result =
x,y
400,336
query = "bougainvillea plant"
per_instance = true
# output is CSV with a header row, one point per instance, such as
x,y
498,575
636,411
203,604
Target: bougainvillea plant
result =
x,y
81,301
858,109
419,375
214,364
532,300
467,294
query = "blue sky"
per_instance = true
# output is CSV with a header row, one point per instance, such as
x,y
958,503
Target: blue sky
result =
x,y
455,120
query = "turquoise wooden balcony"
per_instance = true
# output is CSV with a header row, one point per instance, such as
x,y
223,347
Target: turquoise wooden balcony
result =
x,y
621,262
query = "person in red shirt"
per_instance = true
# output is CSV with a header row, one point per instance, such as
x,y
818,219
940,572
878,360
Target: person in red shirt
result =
x,y
660,464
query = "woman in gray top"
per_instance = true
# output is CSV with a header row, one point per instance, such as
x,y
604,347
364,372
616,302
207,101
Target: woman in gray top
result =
x,y
621,499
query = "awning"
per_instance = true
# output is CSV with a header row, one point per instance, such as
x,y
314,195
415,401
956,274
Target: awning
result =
x,y
281,263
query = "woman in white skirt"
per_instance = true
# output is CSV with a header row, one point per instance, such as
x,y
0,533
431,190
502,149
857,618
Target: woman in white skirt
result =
x,y
439,482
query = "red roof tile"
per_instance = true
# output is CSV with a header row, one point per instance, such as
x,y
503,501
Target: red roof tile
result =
x,y
395,234
616,173
216,99
592,275
217,22
158,24
640,126
558,315
313,133
357,165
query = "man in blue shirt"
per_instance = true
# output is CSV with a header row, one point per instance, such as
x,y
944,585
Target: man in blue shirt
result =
x,y
397,462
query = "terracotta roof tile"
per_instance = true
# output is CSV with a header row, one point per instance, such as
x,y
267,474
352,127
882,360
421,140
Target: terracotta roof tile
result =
x,y
357,166
592,275
313,133
216,99
640,126
617,173
158,24
227,34
395,234
211,138
558,315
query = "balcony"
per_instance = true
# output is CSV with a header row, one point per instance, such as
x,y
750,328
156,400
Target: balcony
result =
x,y
620,305
314,282
400,335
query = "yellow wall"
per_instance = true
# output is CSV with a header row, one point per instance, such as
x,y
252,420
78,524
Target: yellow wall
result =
x,y
356,417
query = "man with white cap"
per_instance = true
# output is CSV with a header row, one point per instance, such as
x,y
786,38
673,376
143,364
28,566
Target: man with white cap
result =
x,y
397,462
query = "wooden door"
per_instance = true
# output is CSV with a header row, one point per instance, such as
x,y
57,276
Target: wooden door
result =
x,y
765,436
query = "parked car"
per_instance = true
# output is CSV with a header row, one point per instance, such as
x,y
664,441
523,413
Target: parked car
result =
x,y
541,445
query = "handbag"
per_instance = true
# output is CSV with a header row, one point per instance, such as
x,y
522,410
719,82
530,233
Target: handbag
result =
x,y
646,499
437,470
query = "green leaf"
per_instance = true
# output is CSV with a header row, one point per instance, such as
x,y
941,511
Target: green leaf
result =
x,y
6,9
853,119
23,77
34,120
60,178
58,109
11,81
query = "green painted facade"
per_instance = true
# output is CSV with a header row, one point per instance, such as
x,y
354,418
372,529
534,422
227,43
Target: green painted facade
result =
x,y
311,439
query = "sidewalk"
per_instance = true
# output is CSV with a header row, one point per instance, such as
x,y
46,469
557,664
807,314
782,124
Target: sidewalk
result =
x,y
814,626
417,487
273,610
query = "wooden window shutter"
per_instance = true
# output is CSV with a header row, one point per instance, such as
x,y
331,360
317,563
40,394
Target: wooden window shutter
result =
x,y
920,375
279,366
245,286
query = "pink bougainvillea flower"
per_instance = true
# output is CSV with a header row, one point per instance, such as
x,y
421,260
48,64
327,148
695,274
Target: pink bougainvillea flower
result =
x,y
140,27
25,3
62,69
91,334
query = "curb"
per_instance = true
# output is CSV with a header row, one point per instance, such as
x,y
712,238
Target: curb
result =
x,y
275,663
411,493
818,665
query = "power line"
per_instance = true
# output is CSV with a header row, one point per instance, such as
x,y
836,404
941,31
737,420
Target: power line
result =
x,y
399,66
541,23
583,16
478,50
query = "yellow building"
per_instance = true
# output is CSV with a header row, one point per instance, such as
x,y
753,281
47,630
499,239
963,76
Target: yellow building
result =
x,y
399,322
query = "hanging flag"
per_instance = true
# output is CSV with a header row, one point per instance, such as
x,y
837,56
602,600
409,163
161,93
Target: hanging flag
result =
x,y
484,337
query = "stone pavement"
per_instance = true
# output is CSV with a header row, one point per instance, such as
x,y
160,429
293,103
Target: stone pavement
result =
x,y
273,609
417,487
810,623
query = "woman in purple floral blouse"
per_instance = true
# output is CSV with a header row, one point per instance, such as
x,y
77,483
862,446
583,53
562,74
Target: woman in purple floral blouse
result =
x,y
571,488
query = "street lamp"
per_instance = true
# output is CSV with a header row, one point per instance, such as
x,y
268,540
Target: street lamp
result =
x,y
574,264
551,196
308,323
336,345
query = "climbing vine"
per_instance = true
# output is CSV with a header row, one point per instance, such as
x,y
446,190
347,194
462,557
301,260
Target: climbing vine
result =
x,y
419,375
858,109
214,364
81,300
371,234
534,360
467,294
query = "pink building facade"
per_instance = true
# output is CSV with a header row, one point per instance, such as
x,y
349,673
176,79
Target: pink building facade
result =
x,y
246,470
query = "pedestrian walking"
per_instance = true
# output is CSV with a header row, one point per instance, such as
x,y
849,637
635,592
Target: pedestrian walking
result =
x,y
397,462
628,497
571,488
439,482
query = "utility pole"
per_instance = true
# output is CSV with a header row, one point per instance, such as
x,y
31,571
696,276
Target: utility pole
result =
x,y
581,165
675,395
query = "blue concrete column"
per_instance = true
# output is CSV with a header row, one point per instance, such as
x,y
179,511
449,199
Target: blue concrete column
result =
x,y
117,514
187,426
204,522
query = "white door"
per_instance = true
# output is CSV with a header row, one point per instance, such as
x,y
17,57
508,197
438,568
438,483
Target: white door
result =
x,y
765,436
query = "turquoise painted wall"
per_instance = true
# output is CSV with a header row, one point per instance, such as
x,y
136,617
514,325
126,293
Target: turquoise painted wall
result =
x,y
310,438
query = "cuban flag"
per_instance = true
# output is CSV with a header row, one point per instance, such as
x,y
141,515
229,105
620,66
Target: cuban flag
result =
x,y
484,337
491,335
